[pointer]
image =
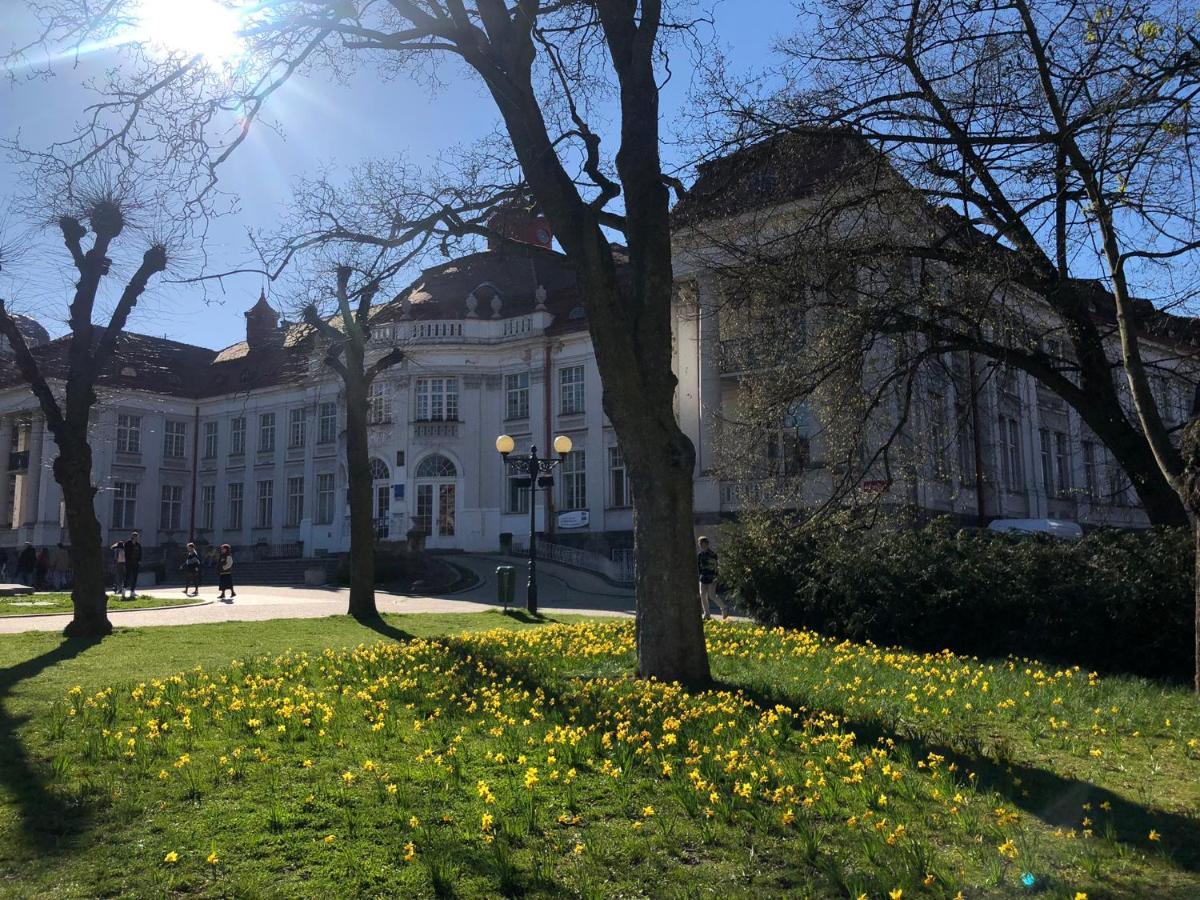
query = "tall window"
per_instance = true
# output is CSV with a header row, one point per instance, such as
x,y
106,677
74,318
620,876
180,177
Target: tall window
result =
x,y
208,506
965,443
10,502
437,399
379,404
210,440
171,508
325,498
237,436
516,394
266,504
1047,460
174,438
129,433
938,435
297,427
266,433
295,500
1062,463
235,505
1010,454
124,504
570,390
618,478
574,480
1091,481
516,492
327,423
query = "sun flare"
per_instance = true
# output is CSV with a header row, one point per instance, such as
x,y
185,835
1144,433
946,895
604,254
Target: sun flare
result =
x,y
205,28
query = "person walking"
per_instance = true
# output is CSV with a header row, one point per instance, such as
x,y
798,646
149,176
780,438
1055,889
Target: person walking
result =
x,y
3,564
133,564
225,572
41,568
706,568
118,550
60,567
191,571
26,563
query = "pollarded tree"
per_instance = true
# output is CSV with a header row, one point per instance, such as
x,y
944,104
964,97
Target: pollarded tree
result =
x,y
535,59
68,411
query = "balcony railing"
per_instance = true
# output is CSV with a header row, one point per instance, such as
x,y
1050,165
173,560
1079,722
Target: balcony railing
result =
x,y
435,430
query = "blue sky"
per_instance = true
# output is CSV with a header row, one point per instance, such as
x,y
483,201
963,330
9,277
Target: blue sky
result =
x,y
322,123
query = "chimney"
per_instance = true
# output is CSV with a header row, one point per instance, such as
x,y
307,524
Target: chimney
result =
x,y
516,224
262,324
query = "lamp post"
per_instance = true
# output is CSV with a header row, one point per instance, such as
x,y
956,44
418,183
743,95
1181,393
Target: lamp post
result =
x,y
536,472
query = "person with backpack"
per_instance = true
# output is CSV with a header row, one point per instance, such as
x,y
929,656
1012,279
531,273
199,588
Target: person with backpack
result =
x,y
191,571
225,572
118,550
133,564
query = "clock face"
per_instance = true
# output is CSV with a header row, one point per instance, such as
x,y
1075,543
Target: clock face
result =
x,y
543,234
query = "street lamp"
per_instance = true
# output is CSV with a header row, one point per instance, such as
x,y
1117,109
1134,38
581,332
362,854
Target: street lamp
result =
x,y
532,471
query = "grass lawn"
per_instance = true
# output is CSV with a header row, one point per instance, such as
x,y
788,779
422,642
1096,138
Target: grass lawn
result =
x,y
52,602
482,756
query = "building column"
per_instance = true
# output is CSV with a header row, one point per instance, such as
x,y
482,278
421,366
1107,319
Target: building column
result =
x,y
28,516
6,427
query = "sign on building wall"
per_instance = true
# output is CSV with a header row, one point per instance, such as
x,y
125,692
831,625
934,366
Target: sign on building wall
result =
x,y
398,491
575,518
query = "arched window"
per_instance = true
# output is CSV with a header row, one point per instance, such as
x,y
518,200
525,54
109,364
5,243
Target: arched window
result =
x,y
379,470
436,466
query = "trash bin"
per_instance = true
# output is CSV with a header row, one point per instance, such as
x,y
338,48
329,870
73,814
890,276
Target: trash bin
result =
x,y
506,584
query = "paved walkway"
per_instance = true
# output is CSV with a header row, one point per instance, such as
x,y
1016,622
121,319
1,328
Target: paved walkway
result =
x,y
561,590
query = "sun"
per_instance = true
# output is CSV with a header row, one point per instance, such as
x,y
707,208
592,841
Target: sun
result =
x,y
207,28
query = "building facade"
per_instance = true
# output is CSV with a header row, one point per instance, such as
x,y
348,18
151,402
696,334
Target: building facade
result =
x,y
246,445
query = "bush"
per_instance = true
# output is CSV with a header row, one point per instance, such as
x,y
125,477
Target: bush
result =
x,y
1114,601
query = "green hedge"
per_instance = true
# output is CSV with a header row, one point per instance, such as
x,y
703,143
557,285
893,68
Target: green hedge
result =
x,y
1114,601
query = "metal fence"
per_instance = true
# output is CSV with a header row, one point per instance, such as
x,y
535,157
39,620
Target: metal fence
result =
x,y
619,569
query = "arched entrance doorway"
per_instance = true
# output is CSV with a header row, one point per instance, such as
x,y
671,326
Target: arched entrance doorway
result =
x,y
381,493
436,499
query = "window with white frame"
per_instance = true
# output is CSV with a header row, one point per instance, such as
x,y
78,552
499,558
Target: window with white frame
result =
x,y
516,396
129,433
236,493
570,390
174,439
266,504
1046,457
295,500
516,492
437,399
1091,479
171,507
237,436
618,479
124,504
208,506
1062,464
266,432
379,404
1011,468
574,480
325,497
10,502
297,427
327,423
211,436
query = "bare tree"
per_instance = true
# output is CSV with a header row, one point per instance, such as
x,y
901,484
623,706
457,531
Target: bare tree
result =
x,y
537,60
68,410
1064,134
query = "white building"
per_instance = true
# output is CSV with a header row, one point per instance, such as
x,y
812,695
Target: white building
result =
x,y
246,445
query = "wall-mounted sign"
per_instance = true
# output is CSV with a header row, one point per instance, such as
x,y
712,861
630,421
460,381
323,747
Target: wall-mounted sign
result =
x,y
575,518
398,491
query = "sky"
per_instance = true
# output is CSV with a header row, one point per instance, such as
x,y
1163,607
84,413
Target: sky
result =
x,y
322,123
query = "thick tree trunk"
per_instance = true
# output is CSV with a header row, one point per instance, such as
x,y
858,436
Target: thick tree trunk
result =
x,y
362,525
1196,624
73,472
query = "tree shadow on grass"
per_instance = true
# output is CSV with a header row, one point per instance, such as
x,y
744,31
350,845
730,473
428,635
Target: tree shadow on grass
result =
x,y
380,626
46,818
1055,799
525,616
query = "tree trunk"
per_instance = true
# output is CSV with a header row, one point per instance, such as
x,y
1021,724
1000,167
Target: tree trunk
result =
x,y
73,472
1196,590
670,633
362,525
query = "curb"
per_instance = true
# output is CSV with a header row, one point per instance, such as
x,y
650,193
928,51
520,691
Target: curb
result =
x,y
111,609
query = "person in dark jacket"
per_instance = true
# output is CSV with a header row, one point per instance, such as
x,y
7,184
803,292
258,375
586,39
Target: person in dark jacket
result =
x,y
26,563
191,571
706,569
133,564
41,567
